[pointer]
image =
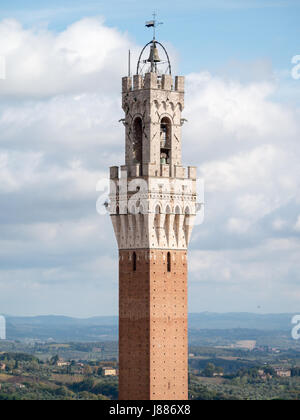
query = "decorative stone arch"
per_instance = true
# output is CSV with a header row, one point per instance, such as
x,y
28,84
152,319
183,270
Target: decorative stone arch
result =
x,y
177,211
133,209
141,209
144,206
157,220
157,208
167,115
123,207
187,209
167,224
141,235
168,209
154,205
132,222
187,213
187,223
177,208
156,103
179,106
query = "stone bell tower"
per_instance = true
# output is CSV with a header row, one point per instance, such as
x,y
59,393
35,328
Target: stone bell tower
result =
x,y
152,206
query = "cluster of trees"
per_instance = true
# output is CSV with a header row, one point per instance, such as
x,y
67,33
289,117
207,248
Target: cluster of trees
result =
x,y
20,357
31,379
13,361
295,371
37,391
253,373
202,392
107,388
212,370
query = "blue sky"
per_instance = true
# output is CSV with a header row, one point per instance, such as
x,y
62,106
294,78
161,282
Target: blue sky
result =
x,y
205,33
59,112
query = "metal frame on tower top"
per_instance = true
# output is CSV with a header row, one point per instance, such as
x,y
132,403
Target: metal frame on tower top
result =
x,y
153,24
140,61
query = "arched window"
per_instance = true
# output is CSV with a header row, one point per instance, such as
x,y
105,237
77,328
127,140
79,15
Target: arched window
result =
x,y
169,262
134,261
138,140
165,140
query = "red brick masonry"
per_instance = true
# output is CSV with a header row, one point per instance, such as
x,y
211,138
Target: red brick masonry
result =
x,y
153,346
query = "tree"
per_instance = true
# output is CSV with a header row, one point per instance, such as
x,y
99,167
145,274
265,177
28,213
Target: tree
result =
x,y
87,370
295,371
54,360
209,370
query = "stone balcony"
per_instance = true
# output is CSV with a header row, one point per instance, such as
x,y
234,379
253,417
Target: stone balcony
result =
x,y
151,170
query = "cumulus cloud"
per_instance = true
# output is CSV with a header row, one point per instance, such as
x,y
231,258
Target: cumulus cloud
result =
x,y
264,276
247,146
83,58
297,224
59,112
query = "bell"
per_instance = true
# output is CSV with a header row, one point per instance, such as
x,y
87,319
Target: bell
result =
x,y
153,57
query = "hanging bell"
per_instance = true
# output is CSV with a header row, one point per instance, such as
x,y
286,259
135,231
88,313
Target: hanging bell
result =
x,y
154,57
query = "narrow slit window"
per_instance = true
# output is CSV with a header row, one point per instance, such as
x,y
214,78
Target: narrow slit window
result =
x,y
138,140
165,141
134,261
169,262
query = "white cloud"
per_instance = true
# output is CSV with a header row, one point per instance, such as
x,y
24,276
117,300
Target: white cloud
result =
x,y
236,225
297,225
17,169
265,275
230,117
43,63
246,148
241,170
279,224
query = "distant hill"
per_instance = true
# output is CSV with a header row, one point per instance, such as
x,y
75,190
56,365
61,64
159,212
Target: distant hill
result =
x,y
61,328
105,328
211,320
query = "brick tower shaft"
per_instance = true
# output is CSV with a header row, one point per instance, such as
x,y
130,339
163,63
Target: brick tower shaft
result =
x,y
153,325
